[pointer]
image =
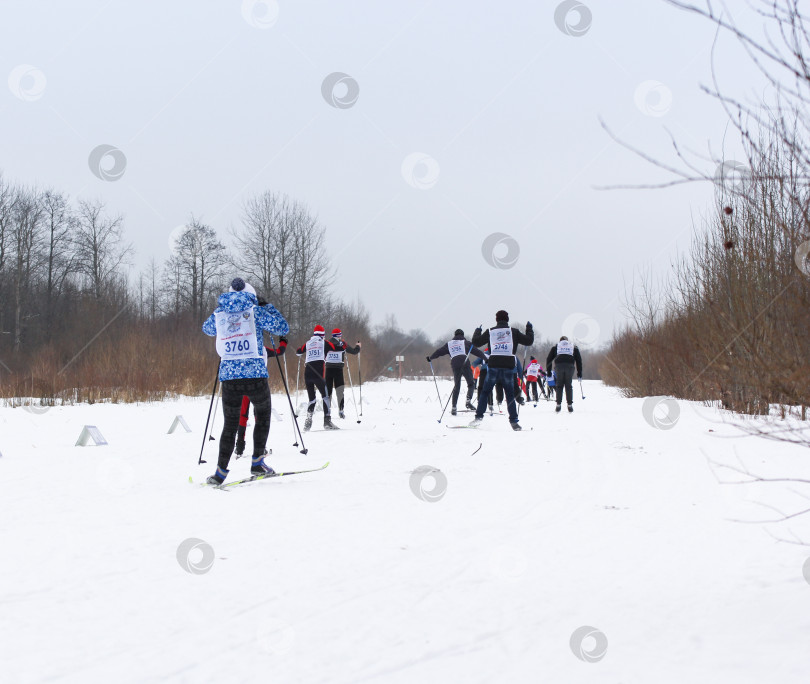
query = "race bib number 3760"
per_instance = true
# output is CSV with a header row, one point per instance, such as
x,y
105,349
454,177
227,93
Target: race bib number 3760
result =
x,y
236,335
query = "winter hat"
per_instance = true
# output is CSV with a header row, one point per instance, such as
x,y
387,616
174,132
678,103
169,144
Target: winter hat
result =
x,y
337,332
501,316
534,359
239,285
319,330
460,332
563,338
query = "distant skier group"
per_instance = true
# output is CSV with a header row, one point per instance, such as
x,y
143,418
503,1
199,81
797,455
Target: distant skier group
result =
x,y
241,318
238,324
498,369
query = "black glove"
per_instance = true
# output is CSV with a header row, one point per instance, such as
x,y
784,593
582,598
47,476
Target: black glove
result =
x,y
262,302
579,376
528,325
428,359
476,332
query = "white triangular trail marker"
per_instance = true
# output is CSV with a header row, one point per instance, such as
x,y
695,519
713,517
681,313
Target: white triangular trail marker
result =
x,y
91,432
178,421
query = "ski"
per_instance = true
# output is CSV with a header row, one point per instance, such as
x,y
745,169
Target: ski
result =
x,y
462,427
254,478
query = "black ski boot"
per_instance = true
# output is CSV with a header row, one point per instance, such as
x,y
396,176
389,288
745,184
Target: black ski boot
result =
x,y
558,409
453,411
516,426
308,421
218,477
570,408
469,405
328,424
259,467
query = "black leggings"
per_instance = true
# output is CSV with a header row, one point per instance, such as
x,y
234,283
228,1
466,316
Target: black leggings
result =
x,y
258,391
334,379
466,372
565,378
312,380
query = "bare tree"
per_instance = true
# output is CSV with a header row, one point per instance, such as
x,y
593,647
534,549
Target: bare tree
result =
x,y
59,258
198,264
26,232
282,248
100,247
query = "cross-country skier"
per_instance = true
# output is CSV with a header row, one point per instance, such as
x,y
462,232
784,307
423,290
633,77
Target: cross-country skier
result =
x,y
315,350
532,373
459,349
243,413
502,362
334,367
565,356
239,323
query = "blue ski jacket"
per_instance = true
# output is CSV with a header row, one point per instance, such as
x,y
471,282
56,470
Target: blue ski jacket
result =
x,y
267,318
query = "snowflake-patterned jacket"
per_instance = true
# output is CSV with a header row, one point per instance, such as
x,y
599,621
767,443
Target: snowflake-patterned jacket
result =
x,y
267,318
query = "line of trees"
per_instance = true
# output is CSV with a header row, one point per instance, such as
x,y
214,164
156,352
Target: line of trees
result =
x,y
732,322
75,326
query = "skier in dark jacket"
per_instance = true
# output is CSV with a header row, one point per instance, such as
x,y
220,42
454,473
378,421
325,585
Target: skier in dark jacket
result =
x,y
334,367
238,324
459,350
565,356
502,362
315,350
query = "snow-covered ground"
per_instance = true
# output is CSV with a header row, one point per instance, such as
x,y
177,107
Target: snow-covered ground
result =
x,y
594,519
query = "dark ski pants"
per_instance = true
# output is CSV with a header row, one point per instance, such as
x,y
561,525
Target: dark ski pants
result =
x,y
506,377
499,390
462,372
531,385
482,378
565,379
334,379
258,393
313,380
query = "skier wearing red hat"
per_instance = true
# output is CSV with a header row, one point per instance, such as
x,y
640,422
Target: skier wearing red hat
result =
x,y
334,367
314,351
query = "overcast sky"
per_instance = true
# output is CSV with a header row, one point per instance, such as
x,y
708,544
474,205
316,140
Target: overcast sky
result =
x,y
453,121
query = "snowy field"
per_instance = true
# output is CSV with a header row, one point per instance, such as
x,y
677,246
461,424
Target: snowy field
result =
x,y
594,519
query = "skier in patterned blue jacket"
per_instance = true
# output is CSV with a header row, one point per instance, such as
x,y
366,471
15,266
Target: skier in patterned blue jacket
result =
x,y
238,323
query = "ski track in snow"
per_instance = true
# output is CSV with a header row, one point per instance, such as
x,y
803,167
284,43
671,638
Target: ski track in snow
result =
x,y
344,575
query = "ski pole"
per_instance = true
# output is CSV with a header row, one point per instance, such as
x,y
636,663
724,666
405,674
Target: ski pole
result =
x,y
295,436
445,406
297,374
580,389
211,437
360,381
438,394
289,399
205,432
349,368
466,359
